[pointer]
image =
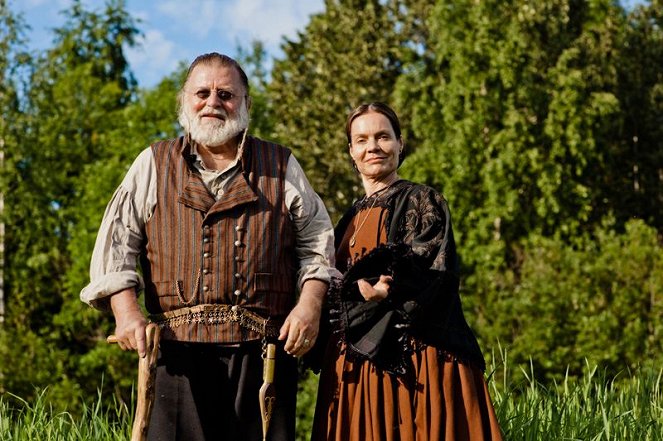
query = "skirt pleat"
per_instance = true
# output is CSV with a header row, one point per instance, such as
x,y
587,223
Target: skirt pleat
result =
x,y
444,399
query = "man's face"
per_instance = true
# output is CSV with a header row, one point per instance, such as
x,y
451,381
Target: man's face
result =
x,y
214,105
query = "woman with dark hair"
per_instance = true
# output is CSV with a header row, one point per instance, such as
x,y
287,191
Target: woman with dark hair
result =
x,y
402,362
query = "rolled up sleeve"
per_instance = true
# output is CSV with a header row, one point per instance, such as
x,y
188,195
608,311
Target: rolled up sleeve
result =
x,y
313,228
113,266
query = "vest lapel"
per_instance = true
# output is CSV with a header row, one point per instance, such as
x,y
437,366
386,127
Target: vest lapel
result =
x,y
239,192
195,194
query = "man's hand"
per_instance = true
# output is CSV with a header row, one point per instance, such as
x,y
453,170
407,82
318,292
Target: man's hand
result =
x,y
300,329
129,321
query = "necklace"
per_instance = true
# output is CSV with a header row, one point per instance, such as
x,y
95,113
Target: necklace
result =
x,y
353,239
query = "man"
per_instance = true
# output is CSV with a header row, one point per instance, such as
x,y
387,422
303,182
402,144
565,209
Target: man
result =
x,y
227,230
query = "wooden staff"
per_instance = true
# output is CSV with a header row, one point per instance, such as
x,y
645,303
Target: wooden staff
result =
x,y
146,375
267,392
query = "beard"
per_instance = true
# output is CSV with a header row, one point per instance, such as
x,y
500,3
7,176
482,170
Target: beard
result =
x,y
214,133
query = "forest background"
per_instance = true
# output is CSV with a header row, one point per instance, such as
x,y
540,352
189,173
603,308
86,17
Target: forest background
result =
x,y
540,121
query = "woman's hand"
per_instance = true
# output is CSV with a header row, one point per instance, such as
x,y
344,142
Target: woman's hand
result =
x,y
377,292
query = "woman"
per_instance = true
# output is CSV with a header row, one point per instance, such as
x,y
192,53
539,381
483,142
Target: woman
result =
x,y
402,363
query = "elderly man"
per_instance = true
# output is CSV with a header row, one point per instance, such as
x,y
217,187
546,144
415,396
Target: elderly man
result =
x,y
235,249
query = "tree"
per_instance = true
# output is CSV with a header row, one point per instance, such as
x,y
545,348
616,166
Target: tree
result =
x,y
252,61
77,92
523,112
351,53
11,41
11,57
599,300
638,149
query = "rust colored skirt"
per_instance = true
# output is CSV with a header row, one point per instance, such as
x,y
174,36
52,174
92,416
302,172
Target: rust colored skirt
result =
x,y
444,400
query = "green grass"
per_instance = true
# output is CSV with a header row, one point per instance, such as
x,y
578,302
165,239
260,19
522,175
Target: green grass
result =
x,y
624,407
37,421
593,407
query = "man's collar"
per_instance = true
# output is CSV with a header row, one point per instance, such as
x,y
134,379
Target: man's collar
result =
x,y
191,153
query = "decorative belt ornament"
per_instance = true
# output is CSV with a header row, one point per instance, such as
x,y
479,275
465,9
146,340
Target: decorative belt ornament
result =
x,y
217,314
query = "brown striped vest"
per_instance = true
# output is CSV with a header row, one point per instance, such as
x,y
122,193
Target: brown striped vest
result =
x,y
204,256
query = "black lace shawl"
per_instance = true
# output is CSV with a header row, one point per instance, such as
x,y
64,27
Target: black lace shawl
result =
x,y
423,306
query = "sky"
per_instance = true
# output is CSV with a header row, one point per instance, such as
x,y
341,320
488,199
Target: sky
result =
x,y
179,30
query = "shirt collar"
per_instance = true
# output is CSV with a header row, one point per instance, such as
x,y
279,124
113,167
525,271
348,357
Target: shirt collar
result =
x,y
197,159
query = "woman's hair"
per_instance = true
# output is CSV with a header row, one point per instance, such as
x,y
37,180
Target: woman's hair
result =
x,y
376,107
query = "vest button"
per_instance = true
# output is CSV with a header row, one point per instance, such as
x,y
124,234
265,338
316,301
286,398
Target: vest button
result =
x,y
205,239
205,254
205,288
205,271
238,275
238,243
237,292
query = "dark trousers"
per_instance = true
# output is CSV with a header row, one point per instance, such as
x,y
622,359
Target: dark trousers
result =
x,y
209,392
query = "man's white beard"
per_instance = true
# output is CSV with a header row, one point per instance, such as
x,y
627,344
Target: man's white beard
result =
x,y
214,133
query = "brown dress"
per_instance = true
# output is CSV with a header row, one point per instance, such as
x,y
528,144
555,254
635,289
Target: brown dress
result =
x,y
443,399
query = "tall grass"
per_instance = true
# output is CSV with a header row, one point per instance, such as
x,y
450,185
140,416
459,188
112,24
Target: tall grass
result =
x,y
37,421
589,408
593,407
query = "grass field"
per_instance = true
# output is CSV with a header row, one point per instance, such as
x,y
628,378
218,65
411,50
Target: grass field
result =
x,y
625,407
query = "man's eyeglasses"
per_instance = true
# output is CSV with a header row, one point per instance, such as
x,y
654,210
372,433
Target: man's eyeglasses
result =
x,y
223,95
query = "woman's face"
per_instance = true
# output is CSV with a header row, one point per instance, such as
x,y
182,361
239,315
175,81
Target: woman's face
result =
x,y
374,146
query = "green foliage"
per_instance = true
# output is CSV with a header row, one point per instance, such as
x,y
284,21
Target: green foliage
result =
x,y
600,299
349,54
253,63
77,94
307,394
522,113
639,188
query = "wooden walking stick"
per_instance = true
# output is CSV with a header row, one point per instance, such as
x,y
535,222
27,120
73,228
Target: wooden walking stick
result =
x,y
267,392
147,367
